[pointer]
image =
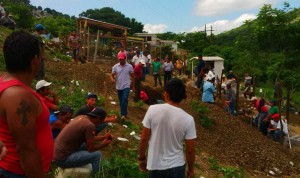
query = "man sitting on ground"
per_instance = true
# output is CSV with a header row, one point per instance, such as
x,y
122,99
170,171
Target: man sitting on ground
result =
x,y
7,21
78,145
91,101
274,130
272,114
59,119
43,89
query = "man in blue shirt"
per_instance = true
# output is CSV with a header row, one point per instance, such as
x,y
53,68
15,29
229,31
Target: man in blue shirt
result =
x,y
59,119
208,91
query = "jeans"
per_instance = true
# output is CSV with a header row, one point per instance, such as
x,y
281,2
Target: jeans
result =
x,y
199,81
259,120
81,158
137,87
157,76
231,108
167,77
7,174
176,172
123,100
148,69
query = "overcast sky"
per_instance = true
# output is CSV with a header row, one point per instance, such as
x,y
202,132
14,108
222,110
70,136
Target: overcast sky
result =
x,y
160,16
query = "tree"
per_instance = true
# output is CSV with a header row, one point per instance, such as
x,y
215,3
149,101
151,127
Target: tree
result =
x,y
109,15
21,14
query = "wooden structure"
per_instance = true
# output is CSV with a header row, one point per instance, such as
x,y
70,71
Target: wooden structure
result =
x,y
87,29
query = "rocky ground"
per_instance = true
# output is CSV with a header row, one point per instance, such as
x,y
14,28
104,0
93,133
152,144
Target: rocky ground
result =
x,y
230,140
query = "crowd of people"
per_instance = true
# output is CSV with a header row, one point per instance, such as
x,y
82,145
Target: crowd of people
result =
x,y
36,131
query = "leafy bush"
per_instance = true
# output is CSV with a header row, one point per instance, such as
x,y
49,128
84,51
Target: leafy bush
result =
x,y
205,122
122,163
228,172
74,95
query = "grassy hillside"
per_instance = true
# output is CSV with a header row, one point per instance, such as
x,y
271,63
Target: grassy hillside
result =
x,y
4,32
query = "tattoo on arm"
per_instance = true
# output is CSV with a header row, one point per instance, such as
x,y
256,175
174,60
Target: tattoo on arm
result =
x,y
24,108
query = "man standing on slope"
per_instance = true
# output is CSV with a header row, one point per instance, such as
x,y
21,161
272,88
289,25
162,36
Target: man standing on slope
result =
x,y
120,75
167,126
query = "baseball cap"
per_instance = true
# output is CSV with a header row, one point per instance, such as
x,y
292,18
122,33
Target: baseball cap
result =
x,y
91,95
97,112
142,61
65,109
39,27
42,83
253,98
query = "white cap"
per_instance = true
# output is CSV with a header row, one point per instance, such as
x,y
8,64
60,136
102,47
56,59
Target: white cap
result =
x,y
209,78
143,62
42,83
253,98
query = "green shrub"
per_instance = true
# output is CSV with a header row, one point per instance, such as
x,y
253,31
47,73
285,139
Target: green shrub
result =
x,y
205,122
122,163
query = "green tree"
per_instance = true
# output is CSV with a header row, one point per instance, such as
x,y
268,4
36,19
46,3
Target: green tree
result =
x,y
109,15
21,14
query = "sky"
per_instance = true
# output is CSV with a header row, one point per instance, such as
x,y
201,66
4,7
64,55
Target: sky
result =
x,y
159,16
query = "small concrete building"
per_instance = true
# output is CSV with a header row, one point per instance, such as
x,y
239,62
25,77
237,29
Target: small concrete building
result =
x,y
216,62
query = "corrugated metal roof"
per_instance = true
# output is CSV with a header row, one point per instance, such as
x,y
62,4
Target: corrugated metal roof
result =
x,y
209,58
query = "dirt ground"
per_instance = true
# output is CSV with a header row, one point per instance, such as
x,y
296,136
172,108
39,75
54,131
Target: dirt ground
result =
x,y
230,140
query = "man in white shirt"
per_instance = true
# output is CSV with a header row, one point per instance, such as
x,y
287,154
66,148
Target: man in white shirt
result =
x,y
121,74
148,63
166,126
136,59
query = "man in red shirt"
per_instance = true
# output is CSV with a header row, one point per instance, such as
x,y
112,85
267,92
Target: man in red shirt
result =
x,y
24,118
262,110
74,45
43,89
138,73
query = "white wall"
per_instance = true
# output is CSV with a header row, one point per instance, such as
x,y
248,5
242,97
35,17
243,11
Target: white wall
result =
x,y
219,65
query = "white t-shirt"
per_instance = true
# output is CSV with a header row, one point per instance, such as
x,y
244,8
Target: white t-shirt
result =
x,y
142,57
149,59
136,59
285,129
170,126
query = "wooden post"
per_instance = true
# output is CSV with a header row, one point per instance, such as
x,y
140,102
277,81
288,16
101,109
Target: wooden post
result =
x,y
254,86
84,38
278,93
288,97
237,94
220,85
105,96
96,46
88,44
160,53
